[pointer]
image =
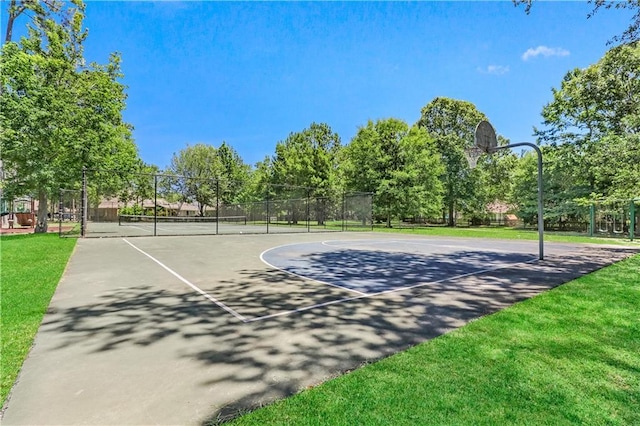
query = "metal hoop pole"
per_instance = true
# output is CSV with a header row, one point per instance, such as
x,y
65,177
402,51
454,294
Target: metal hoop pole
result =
x,y
540,195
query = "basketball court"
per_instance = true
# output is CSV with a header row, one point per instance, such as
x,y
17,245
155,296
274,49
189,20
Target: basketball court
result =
x,y
177,330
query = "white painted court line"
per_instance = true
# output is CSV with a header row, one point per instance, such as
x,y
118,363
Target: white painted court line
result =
x,y
193,286
142,229
395,290
341,244
302,276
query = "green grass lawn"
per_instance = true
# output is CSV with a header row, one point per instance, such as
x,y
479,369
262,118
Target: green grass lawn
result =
x,y
567,356
30,268
506,233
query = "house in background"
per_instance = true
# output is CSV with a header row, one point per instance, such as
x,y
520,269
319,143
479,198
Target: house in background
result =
x,y
499,214
109,209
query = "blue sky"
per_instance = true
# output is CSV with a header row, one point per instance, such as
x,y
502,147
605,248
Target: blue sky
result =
x,y
250,73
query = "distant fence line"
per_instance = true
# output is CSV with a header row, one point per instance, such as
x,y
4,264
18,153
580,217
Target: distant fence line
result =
x,y
177,205
282,208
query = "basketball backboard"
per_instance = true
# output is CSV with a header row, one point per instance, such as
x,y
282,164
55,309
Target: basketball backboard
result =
x,y
485,137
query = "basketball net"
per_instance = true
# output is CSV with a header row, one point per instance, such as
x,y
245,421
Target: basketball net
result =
x,y
472,154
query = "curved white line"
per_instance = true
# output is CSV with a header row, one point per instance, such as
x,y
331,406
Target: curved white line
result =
x,y
302,276
364,296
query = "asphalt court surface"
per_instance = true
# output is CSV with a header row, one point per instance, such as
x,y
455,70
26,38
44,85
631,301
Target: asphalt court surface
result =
x,y
369,267
332,271
177,330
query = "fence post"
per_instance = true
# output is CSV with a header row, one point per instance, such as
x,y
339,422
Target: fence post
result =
x,y
344,200
592,219
308,221
155,204
84,204
60,208
632,217
217,204
373,196
268,213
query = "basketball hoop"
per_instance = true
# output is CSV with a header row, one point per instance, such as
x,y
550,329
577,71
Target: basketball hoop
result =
x,y
472,154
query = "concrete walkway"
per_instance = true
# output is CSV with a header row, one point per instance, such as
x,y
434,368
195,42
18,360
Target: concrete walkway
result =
x,y
127,341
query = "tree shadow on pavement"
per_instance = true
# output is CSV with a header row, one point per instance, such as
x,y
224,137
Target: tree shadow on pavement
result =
x,y
243,365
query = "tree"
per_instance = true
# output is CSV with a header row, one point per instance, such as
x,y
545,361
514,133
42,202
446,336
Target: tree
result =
x,y
234,174
137,186
617,174
41,10
307,161
258,186
451,123
601,99
563,185
494,181
631,34
399,164
197,169
594,118
59,115
523,191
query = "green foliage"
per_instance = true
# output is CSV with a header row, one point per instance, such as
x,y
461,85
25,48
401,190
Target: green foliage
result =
x,y
135,209
307,164
399,164
602,99
203,172
616,166
37,10
258,183
494,175
451,123
234,174
308,159
592,129
197,169
59,115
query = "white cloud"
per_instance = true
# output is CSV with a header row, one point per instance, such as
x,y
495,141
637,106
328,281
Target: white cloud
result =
x,y
544,51
494,69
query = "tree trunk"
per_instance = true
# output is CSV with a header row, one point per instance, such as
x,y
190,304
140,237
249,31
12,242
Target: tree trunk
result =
x,y
389,216
41,220
452,209
451,201
14,12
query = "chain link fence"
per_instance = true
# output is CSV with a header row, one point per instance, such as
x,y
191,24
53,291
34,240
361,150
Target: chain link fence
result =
x,y
154,205
615,219
68,212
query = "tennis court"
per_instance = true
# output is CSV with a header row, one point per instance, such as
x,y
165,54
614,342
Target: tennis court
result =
x,y
143,226
186,330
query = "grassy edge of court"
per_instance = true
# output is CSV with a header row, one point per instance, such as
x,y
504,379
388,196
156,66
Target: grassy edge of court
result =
x,y
508,233
568,356
30,268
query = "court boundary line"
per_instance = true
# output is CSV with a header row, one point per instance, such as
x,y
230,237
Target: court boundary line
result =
x,y
302,276
328,243
366,296
188,283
